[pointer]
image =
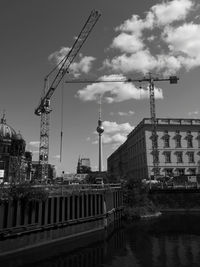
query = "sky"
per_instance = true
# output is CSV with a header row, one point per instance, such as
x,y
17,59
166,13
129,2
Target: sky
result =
x,y
131,39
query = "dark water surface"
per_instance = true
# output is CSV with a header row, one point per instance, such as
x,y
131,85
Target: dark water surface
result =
x,y
170,240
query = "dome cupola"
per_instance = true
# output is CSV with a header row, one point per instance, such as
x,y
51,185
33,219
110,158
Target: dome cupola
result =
x,y
6,132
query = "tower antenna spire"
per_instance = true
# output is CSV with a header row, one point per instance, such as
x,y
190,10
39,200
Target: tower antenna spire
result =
x,y
100,131
100,107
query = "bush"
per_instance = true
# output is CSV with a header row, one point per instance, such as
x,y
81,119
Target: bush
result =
x,y
136,200
23,192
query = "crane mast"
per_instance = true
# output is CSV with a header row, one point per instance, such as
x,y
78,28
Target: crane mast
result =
x,y
150,80
43,110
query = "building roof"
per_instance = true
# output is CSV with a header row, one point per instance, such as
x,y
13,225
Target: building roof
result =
x,y
166,121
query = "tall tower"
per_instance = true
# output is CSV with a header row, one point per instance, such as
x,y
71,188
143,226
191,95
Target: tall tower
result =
x,y
100,131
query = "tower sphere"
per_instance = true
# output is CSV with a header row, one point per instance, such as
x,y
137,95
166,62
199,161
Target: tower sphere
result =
x,y
100,129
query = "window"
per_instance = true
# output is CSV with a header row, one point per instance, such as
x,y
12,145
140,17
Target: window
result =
x,y
180,171
167,157
155,156
198,139
178,141
166,139
2,165
168,172
189,142
179,157
190,157
192,171
189,138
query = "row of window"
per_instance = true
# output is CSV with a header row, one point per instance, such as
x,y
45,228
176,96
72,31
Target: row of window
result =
x,y
179,156
179,171
178,144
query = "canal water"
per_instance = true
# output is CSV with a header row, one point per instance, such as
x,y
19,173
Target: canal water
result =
x,y
168,241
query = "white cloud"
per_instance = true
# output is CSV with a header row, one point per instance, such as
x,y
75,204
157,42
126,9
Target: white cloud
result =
x,y
115,92
113,127
130,112
179,45
35,151
193,113
127,43
34,144
114,133
136,25
83,65
168,12
58,56
141,61
158,15
184,41
56,156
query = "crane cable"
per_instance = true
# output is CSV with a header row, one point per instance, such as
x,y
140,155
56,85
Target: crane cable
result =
x,y
61,131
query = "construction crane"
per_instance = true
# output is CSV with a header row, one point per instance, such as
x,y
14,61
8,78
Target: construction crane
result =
x,y
57,73
150,79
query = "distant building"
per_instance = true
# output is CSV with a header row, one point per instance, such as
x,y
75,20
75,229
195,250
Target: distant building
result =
x,y
71,177
178,147
15,162
83,165
36,169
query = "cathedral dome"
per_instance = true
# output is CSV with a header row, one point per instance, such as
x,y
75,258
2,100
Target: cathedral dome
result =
x,y
6,132
19,136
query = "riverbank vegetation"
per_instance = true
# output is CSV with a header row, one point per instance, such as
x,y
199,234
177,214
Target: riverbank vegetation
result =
x,y
136,200
24,192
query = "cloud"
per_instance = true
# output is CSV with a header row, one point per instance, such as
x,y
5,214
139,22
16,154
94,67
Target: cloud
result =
x,y
184,41
178,47
114,127
168,12
130,112
83,65
114,133
136,25
127,43
57,56
158,15
193,113
34,144
35,151
115,91
122,113
141,61
56,156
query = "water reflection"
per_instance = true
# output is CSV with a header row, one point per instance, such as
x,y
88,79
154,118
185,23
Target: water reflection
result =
x,y
168,241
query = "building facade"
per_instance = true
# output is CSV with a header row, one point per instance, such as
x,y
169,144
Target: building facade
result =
x,y
36,170
15,162
178,150
83,165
